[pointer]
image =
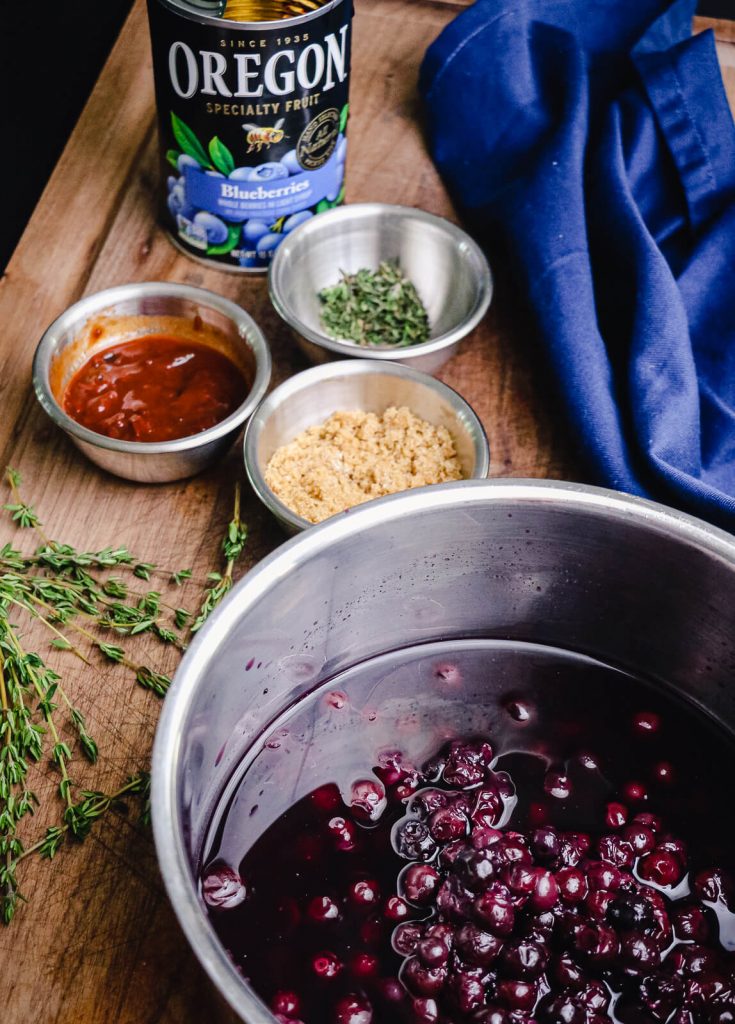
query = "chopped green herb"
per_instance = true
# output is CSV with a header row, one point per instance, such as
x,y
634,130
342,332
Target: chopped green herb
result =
x,y
375,307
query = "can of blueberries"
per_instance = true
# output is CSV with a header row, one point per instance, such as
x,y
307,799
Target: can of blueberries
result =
x,y
253,104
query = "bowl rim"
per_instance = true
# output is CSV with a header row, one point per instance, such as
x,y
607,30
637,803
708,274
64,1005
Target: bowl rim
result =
x,y
365,211
96,303
167,826
348,368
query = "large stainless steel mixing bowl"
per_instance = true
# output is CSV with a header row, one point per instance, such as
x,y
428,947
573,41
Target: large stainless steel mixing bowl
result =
x,y
629,582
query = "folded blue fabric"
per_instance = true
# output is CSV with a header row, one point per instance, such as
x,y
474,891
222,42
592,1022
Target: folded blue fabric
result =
x,y
595,138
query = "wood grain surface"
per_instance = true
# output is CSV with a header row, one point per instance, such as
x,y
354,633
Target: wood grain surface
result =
x,y
98,942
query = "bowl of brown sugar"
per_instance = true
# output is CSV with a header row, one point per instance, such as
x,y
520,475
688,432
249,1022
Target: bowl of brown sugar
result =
x,y
341,434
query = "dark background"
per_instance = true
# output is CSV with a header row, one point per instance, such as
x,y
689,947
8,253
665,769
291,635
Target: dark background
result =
x,y
51,52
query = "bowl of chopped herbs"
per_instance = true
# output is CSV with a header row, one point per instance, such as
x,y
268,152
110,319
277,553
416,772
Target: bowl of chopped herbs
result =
x,y
376,281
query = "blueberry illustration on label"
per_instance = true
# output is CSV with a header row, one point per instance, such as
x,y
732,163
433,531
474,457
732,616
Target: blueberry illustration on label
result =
x,y
215,228
254,230
296,219
187,161
194,234
291,162
268,172
177,202
268,244
341,152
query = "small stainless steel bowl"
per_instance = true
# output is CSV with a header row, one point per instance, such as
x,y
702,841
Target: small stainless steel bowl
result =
x,y
448,268
134,310
312,396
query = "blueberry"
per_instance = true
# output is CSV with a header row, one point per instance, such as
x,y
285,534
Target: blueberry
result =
x,y
254,230
295,219
222,887
291,162
628,912
194,233
177,203
269,172
177,199
215,229
268,243
340,152
187,161
172,182
241,174
332,196
413,840
214,174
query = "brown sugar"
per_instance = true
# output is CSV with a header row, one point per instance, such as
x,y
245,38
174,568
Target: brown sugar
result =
x,y
355,456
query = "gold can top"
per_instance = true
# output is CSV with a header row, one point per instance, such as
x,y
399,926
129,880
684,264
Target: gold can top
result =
x,y
254,10
268,10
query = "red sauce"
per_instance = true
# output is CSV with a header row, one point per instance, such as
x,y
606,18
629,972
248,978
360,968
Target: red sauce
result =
x,y
156,388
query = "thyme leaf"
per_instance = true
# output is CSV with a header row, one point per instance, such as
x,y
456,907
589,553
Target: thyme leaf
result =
x,y
375,307
70,593
220,584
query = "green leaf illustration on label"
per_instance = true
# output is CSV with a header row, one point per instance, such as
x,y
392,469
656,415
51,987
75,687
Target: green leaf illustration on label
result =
x,y
188,141
172,156
344,114
222,158
233,237
325,204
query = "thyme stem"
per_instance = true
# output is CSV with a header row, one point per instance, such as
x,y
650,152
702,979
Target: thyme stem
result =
x,y
71,592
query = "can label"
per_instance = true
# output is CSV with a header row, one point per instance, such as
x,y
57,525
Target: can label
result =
x,y
252,124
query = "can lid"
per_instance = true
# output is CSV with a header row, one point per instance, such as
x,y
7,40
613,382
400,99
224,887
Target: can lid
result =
x,y
213,7
213,12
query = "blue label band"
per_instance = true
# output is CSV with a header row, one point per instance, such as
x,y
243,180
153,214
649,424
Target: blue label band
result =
x,y
237,199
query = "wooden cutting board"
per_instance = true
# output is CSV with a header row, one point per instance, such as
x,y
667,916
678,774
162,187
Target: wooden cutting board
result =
x,y
98,943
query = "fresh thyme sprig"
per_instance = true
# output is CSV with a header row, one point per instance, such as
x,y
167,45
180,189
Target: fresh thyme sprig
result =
x,y
70,592
233,544
77,823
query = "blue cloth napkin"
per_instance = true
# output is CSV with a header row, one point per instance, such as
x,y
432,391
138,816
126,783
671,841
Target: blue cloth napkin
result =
x,y
595,139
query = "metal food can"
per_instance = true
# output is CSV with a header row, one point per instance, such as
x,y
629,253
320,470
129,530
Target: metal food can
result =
x,y
252,125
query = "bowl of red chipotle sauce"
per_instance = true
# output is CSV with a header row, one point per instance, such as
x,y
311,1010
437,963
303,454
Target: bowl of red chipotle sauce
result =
x,y
152,381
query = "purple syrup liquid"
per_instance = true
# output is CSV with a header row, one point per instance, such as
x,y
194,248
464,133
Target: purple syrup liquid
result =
x,y
576,738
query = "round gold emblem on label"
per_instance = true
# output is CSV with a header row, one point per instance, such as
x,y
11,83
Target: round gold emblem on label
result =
x,y
318,140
